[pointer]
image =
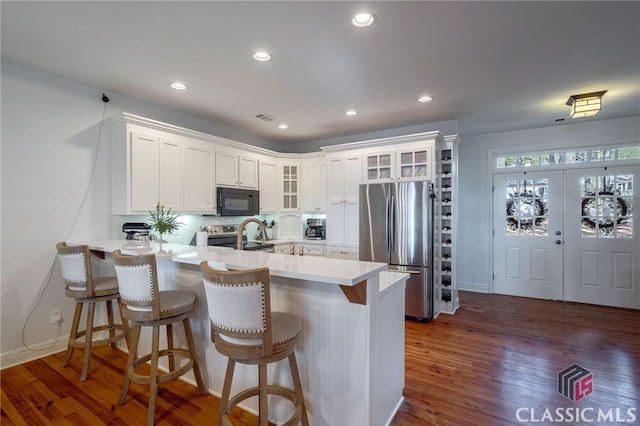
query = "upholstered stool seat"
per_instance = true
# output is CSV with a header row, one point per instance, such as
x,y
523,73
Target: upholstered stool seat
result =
x,y
146,306
81,285
245,330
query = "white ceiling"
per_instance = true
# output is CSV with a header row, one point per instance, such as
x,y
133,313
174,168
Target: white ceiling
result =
x,y
490,65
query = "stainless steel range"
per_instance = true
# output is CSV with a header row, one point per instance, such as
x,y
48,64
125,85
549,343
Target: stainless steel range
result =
x,y
227,236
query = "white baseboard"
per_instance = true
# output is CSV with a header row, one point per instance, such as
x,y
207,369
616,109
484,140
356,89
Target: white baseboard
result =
x,y
477,287
40,350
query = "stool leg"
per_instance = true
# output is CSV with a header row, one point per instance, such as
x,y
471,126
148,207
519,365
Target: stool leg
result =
x,y
73,333
87,342
112,330
172,358
226,390
131,359
263,401
297,386
153,376
124,322
192,351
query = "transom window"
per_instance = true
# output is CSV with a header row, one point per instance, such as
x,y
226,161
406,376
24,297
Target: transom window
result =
x,y
581,156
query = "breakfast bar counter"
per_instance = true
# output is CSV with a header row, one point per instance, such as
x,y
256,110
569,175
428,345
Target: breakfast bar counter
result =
x,y
351,350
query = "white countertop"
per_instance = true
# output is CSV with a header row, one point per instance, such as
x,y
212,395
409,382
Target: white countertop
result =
x,y
311,268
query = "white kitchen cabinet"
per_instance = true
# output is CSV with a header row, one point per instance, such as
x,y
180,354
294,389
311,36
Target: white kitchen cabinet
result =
x,y
171,173
199,178
289,177
268,178
314,185
143,150
147,169
341,253
344,176
236,170
413,161
310,250
285,248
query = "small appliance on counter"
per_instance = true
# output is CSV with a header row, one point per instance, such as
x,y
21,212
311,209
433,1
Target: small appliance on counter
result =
x,y
136,230
227,236
316,229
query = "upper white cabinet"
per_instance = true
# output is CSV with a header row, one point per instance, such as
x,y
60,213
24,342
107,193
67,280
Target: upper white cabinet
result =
x,y
147,169
344,176
141,158
153,162
413,161
314,184
236,170
268,177
289,176
199,177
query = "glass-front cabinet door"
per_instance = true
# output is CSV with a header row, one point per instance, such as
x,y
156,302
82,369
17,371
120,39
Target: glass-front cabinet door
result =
x,y
415,164
290,183
378,166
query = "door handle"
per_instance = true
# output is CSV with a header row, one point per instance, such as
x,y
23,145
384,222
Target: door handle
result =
x,y
558,242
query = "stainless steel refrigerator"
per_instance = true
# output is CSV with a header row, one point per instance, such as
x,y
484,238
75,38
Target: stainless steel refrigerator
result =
x,y
396,227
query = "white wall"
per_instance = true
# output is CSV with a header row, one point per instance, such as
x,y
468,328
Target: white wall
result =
x,y
50,129
475,222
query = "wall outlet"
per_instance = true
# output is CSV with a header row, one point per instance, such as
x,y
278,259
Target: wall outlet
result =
x,y
56,316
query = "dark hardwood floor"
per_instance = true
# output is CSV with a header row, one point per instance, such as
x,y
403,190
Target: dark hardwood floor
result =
x,y
497,357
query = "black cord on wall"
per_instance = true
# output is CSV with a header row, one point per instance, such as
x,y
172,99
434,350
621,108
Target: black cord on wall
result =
x,y
47,279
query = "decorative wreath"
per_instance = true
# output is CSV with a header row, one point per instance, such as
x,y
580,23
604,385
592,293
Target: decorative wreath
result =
x,y
589,209
524,202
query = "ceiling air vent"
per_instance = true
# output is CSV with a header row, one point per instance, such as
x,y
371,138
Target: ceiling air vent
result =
x,y
265,117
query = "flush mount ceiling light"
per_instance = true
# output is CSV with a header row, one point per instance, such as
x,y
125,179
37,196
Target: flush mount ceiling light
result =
x,y
585,105
425,98
363,19
178,86
351,112
262,56
283,126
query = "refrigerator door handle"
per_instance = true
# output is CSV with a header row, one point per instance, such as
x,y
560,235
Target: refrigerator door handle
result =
x,y
391,224
388,223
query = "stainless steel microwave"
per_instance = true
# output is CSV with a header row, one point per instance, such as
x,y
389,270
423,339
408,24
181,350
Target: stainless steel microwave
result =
x,y
238,202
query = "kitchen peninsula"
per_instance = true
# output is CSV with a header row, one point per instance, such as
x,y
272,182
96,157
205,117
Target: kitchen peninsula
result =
x,y
351,351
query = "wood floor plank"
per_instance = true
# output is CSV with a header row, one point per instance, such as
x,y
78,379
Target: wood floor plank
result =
x,y
477,367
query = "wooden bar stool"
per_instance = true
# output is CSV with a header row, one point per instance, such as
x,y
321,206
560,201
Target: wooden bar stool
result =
x,y
86,289
245,330
146,306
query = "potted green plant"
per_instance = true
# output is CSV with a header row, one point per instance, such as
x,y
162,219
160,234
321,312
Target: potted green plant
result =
x,y
164,221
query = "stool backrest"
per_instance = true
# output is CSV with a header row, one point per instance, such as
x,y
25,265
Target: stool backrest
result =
x,y
138,282
76,269
239,309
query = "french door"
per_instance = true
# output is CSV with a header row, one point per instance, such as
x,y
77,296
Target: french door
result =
x,y
602,249
568,235
528,228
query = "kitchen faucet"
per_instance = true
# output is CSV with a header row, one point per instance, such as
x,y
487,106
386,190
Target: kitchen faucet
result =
x,y
263,231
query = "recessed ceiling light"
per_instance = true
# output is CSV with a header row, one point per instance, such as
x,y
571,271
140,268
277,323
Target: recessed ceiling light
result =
x,y
363,19
178,86
283,126
351,112
425,98
262,56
